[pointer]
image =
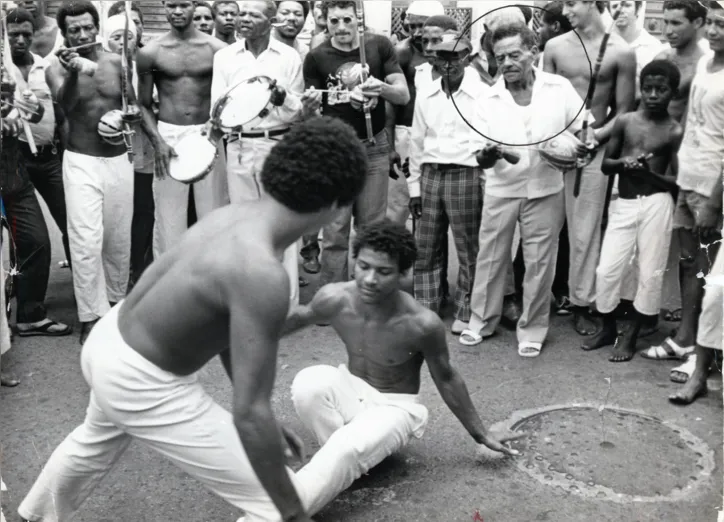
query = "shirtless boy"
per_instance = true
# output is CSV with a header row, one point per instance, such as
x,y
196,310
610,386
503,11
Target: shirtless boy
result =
x,y
365,411
180,65
97,175
614,91
221,291
640,220
683,20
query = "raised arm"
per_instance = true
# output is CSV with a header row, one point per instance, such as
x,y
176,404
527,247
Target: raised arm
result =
x,y
323,307
57,77
453,390
255,324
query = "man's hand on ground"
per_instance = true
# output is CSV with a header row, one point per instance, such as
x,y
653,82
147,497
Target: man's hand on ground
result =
x,y
294,449
494,441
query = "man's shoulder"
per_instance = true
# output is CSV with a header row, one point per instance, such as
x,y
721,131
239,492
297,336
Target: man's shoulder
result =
x,y
426,322
555,44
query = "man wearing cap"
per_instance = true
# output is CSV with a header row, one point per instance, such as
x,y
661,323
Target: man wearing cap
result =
x,y
445,174
525,105
399,118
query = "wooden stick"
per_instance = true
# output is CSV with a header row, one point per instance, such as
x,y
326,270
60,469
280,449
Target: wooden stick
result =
x,y
78,47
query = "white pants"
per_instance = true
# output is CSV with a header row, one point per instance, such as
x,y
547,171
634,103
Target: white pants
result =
x,y
99,204
637,229
584,215
132,398
171,197
356,426
4,328
709,333
398,194
245,160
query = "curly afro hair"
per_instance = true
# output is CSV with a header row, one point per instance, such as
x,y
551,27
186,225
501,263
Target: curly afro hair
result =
x,y
76,8
390,238
319,162
663,68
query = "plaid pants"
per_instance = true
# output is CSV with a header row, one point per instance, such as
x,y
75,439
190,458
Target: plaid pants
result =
x,y
451,195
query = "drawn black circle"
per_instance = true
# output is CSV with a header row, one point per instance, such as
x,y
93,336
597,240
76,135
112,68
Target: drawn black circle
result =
x,y
583,105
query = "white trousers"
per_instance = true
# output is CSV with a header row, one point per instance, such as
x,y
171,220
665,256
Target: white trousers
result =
x,y
99,204
4,328
398,194
638,229
584,215
171,197
244,163
709,333
356,426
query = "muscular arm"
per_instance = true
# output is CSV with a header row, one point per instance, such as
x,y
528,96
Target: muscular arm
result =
x,y
549,58
144,69
625,99
60,82
254,334
323,307
449,383
390,120
395,90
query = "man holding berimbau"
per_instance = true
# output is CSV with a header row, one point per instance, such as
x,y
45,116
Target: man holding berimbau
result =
x,y
335,66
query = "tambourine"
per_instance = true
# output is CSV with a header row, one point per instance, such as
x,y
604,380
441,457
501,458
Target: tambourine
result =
x,y
195,158
245,104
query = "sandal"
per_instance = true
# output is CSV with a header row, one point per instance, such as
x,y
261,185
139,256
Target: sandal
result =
x,y
47,328
470,338
682,373
667,350
7,381
529,349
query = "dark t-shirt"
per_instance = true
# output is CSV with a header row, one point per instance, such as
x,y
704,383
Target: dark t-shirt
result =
x,y
326,67
13,175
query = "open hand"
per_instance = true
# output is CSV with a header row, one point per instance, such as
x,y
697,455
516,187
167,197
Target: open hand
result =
x,y
494,441
163,154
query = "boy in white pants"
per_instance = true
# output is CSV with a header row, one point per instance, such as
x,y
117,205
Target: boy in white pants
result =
x,y
642,146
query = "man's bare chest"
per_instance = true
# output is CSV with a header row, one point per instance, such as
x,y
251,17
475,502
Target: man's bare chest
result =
x,y
184,62
391,345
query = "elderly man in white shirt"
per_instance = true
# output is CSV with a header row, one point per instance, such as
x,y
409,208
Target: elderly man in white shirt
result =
x,y
256,53
445,179
526,105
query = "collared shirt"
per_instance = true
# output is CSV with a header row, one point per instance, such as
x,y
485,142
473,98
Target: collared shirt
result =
x,y
44,130
423,75
702,149
278,61
554,105
439,134
646,47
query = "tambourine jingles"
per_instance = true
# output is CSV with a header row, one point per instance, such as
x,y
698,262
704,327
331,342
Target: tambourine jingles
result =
x,y
244,105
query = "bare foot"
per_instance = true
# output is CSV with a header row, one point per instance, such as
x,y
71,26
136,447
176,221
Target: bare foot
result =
x,y
623,349
694,388
584,323
606,337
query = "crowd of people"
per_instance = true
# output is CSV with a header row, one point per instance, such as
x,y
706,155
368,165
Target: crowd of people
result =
x,y
424,131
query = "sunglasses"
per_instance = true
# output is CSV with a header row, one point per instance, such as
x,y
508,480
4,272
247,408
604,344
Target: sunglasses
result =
x,y
347,20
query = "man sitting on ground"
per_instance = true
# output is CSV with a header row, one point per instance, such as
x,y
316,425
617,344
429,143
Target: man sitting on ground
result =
x,y
366,410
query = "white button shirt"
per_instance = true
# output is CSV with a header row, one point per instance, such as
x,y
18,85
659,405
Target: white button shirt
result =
x,y
439,134
554,104
278,61
43,131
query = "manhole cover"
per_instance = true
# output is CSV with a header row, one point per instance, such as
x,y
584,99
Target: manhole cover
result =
x,y
610,453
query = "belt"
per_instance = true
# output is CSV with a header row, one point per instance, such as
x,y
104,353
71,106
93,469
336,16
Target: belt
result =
x,y
42,149
450,166
263,134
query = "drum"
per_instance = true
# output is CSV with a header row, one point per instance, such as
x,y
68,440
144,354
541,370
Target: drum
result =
x,y
560,152
245,104
195,158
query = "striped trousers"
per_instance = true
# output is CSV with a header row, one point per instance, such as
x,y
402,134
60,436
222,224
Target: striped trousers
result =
x,y
452,195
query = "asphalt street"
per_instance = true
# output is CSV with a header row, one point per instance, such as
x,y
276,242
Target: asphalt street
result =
x,y
652,474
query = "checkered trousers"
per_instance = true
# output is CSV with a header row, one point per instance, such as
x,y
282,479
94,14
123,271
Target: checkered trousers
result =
x,y
452,195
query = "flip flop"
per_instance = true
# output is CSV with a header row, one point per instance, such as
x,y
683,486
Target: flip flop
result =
x,y
529,349
673,316
682,373
45,330
667,350
470,338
